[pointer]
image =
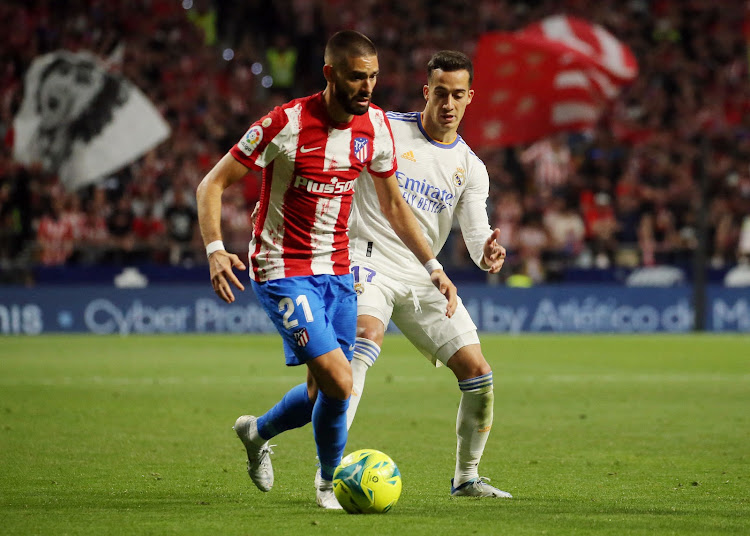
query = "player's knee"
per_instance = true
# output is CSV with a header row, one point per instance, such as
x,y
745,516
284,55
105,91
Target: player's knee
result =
x,y
467,367
372,331
340,388
479,369
340,384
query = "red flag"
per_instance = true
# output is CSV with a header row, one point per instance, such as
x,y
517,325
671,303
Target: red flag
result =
x,y
595,43
553,76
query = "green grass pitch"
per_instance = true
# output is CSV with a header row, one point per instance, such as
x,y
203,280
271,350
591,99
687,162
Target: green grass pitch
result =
x,y
592,435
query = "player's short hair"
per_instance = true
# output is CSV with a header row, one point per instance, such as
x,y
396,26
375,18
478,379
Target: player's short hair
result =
x,y
346,44
449,61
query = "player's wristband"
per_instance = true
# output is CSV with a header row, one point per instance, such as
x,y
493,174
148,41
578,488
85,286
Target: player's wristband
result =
x,y
432,265
213,247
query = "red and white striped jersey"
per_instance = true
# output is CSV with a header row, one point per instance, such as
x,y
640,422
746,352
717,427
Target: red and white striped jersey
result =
x,y
309,165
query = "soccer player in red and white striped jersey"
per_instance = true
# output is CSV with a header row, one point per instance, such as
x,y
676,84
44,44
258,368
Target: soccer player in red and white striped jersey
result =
x,y
311,150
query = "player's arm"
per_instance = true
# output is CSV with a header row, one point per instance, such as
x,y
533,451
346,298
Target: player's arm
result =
x,y
471,212
225,173
407,228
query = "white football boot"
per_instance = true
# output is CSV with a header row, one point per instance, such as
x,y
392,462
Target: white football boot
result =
x,y
478,487
324,493
258,457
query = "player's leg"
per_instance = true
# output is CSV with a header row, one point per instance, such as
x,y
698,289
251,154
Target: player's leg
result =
x,y
370,333
473,421
292,411
332,374
298,308
454,342
375,298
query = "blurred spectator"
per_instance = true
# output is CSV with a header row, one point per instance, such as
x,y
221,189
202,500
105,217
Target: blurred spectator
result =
x,y
94,240
628,211
601,225
659,240
282,65
55,235
533,243
508,213
151,233
181,222
566,232
72,215
550,164
203,15
120,227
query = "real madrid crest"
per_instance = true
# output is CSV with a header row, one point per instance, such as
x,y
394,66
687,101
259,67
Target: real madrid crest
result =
x,y
359,288
459,177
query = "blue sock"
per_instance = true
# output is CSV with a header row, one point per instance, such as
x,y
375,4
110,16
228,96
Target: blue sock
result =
x,y
329,429
292,411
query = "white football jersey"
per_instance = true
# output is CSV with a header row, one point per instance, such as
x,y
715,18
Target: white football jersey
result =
x,y
437,180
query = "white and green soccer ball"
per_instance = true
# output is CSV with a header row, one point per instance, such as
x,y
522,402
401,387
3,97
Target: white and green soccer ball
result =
x,y
367,482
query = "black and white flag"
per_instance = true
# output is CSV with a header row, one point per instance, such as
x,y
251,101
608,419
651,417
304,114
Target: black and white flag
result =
x,y
81,121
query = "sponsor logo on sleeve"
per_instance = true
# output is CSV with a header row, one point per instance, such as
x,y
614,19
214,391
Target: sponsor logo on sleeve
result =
x,y
251,140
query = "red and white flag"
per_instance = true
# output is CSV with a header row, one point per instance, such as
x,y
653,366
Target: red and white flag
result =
x,y
553,76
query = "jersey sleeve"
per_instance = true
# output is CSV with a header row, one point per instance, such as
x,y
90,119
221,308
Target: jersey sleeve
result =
x,y
383,163
471,211
263,141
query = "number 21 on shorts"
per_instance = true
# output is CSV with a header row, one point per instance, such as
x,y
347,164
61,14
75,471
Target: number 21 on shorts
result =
x,y
287,305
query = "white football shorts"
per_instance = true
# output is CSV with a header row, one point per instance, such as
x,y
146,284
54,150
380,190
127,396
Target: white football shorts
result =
x,y
418,311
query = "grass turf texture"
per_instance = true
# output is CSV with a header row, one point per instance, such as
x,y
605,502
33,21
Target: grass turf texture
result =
x,y
592,435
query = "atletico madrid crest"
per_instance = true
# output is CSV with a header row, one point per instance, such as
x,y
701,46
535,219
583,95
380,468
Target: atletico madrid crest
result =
x,y
301,337
362,149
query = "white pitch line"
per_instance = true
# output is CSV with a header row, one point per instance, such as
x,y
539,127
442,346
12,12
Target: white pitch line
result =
x,y
673,378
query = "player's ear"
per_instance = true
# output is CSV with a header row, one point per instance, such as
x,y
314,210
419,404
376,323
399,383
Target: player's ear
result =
x,y
426,92
328,72
471,96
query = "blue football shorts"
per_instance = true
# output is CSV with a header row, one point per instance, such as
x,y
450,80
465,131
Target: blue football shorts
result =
x,y
314,314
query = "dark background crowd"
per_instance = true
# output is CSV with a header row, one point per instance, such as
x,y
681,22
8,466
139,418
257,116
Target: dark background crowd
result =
x,y
669,158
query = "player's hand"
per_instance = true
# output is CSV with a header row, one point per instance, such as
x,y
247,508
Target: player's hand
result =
x,y
494,253
221,264
446,288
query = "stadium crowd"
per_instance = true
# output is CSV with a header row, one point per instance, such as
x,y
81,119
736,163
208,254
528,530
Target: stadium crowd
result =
x,y
627,193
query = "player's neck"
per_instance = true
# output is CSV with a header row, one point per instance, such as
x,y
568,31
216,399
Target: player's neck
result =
x,y
436,132
334,109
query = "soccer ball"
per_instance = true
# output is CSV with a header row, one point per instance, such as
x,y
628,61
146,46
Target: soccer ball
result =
x,y
367,482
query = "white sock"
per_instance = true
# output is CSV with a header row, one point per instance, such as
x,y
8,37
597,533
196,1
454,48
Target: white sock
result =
x,y
365,354
473,424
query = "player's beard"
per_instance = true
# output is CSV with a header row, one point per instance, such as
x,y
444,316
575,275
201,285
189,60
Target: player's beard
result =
x,y
348,103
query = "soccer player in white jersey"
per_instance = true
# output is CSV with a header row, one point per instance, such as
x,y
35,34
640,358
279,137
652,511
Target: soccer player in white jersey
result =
x,y
439,177
311,150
